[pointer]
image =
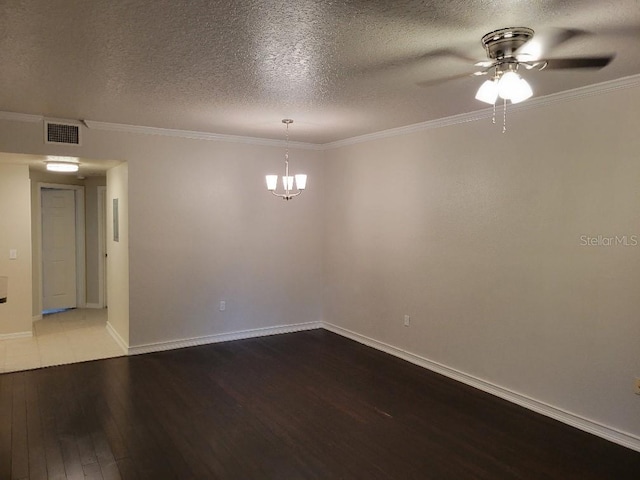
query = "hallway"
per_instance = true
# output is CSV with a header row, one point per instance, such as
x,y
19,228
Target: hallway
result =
x,y
68,337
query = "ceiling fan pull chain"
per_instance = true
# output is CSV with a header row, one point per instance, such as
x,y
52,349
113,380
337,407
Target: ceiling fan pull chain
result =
x,y
504,116
493,119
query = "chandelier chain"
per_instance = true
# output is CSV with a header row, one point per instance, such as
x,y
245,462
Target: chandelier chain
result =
x,y
286,151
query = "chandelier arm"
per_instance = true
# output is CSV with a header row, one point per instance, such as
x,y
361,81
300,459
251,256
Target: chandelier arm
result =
x,y
287,195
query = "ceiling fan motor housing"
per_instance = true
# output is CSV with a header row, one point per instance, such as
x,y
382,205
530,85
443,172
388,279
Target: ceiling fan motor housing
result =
x,y
503,43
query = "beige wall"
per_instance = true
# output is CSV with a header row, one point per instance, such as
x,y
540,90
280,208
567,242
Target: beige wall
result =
x,y
477,236
203,229
15,233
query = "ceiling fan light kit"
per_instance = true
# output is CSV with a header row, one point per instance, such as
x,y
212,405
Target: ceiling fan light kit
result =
x,y
508,86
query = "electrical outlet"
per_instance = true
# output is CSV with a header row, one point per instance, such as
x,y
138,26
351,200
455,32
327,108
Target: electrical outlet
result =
x,y
223,306
637,386
407,320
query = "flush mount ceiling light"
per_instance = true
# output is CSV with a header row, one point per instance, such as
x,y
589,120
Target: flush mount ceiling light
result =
x,y
62,164
289,189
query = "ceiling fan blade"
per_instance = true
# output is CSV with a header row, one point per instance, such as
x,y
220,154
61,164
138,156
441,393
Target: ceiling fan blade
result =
x,y
457,55
544,41
440,81
579,62
416,60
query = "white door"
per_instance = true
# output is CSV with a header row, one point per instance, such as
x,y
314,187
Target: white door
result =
x,y
58,249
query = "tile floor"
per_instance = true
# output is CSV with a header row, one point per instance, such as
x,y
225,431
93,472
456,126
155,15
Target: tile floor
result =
x,y
73,336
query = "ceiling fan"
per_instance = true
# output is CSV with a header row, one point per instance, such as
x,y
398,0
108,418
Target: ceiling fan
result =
x,y
510,49
514,48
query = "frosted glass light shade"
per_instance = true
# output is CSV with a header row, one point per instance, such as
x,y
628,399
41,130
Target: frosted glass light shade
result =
x,y
64,167
301,181
488,92
508,85
272,182
521,92
287,182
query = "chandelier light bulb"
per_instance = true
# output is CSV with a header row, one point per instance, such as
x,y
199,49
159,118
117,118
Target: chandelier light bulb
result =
x,y
287,183
272,182
301,181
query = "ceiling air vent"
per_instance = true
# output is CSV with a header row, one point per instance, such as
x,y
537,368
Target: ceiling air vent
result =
x,y
61,133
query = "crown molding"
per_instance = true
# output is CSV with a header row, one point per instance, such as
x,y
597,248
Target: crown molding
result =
x,y
195,135
537,102
20,117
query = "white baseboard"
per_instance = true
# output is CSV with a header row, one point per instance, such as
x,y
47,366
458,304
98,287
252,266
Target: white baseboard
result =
x,y
12,336
223,337
609,433
92,305
116,336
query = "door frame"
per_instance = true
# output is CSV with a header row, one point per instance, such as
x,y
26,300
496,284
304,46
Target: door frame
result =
x,y
102,246
81,293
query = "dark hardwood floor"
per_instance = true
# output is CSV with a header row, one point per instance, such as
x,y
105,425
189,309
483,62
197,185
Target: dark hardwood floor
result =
x,y
309,405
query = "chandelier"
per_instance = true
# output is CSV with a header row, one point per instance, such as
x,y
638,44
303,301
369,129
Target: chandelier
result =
x,y
300,180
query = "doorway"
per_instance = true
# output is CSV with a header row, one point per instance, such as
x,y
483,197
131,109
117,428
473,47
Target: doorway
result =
x,y
62,247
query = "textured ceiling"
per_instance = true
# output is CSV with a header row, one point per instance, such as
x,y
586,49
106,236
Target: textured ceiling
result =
x,y
338,68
